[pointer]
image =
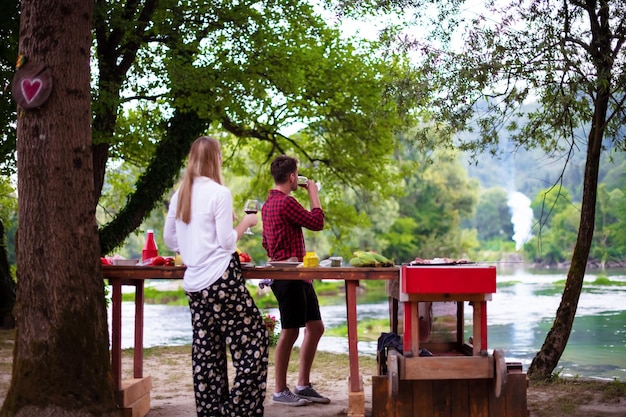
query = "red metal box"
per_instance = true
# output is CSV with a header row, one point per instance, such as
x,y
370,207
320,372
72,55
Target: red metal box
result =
x,y
448,279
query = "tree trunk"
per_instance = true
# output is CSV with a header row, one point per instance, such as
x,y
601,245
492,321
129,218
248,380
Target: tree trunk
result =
x,y
548,357
61,364
184,128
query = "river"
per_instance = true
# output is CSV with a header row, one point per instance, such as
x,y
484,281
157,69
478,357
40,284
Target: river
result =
x,y
519,317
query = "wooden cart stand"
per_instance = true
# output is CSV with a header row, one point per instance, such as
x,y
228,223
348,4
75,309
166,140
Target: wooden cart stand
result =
x,y
461,378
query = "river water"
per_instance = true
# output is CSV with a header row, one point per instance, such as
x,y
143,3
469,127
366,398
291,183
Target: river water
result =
x,y
519,316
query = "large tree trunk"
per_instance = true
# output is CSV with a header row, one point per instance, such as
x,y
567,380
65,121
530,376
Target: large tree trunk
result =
x,y
61,364
548,357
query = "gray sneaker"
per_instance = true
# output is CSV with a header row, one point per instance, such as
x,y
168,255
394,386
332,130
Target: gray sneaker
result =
x,y
286,397
308,393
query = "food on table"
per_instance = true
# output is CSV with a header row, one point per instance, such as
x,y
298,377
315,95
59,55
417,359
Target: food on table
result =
x,y
160,260
370,258
244,257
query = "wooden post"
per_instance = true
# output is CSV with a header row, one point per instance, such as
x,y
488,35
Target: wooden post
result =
x,y
116,333
138,348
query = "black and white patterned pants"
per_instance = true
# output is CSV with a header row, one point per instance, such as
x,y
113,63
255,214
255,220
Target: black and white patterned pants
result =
x,y
224,314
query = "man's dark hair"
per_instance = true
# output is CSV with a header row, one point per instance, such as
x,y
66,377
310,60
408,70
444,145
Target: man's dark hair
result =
x,y
281,167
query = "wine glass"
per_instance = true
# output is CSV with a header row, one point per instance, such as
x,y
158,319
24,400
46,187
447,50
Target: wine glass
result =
x,y
251,206
304,182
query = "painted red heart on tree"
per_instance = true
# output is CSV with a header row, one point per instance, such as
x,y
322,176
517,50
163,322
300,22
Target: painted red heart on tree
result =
x,y
32,85
30,88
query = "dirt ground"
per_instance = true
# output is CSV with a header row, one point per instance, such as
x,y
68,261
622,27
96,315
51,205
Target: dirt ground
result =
x,y
172,392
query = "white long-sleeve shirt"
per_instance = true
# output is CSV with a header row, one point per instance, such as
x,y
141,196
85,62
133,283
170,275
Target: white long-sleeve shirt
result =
x,y
207,243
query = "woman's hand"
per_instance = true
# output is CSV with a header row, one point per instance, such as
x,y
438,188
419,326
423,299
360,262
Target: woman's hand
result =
x,y
250,219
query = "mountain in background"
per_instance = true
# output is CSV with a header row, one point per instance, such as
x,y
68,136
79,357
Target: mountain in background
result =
x,y
530,171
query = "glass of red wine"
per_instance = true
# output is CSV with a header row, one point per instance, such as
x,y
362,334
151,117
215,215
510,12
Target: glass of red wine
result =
x,y
251,206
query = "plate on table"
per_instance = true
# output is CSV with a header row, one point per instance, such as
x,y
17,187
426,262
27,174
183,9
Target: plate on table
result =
x,y
439,263
284,264
247,264
125,262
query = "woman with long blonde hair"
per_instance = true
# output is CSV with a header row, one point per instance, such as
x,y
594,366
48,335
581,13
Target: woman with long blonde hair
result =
x,y
199,225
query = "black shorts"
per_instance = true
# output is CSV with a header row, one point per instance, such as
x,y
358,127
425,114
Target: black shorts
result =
x,y
297,303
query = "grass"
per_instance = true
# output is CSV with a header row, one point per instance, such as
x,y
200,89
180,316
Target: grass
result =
x,y
570,396
600,281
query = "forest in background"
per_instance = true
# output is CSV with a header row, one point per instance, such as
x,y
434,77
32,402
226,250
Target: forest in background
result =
x,y
455,206
448,207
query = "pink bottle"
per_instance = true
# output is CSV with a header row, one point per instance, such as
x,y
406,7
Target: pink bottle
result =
x,y
150,248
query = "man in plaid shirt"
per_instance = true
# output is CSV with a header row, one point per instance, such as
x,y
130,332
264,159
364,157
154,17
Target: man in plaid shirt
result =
x,y
283,219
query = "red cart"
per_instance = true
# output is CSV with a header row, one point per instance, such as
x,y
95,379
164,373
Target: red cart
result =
x,y
462,377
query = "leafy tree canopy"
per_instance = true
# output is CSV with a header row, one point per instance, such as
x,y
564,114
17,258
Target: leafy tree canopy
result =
x,y
247,73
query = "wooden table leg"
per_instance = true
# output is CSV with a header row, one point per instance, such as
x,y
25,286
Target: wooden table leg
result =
x,y
483,325
407,333
138,347
356,396
393,314
353,337
116,333
460,322
480,327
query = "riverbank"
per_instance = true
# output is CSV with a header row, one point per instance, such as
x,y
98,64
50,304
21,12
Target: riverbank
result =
x,y
172,393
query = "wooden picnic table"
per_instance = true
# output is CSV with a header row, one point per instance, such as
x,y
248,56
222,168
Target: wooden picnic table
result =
x,y
134,395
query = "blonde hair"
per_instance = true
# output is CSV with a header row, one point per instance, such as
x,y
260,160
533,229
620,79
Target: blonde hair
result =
x,y
204,161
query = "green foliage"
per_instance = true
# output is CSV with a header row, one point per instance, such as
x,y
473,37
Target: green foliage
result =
x,y
557,229
154,296
438,196
264,299
531,74
609,238
248,73
550,202
555,235
606,281
8,201
9,39
167,72
493,216
369,329
8,218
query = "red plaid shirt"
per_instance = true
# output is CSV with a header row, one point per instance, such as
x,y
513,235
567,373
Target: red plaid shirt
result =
x,y
283,219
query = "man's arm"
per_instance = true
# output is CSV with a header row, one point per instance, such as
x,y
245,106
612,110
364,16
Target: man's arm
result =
x,y
312,220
